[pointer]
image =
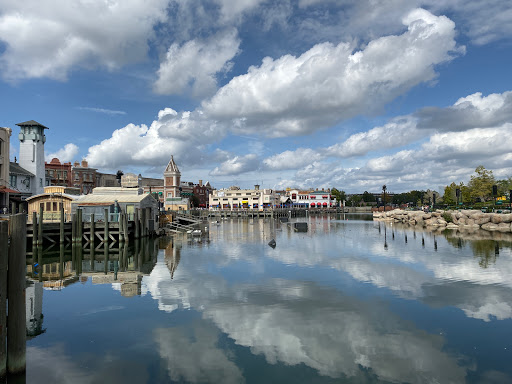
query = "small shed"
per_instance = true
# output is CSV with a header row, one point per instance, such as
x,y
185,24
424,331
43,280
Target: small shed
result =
x,y
51,203
116,200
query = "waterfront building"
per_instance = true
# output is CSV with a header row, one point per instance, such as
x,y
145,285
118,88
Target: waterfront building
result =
x,y
52,201
58,173
84,177
117,200
311,199
172,180
5,187
106,180
202,192
236,198
32,139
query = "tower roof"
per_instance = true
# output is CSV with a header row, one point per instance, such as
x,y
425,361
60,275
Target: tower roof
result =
x,y
172,167
31,123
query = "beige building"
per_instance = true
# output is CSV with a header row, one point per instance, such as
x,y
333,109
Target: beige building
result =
x,y
51,201
236,198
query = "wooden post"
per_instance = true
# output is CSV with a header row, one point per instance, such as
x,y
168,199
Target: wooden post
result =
x,y
40,262
105,257
136,222
40,228
13,208
16,325
73,228
148,217
143,223
120,227
79,257
4,255
92,235
80,227
61,261
61,225
105,233
136,255
126,233
34,233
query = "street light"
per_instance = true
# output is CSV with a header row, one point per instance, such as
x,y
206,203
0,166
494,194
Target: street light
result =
x,y
384,195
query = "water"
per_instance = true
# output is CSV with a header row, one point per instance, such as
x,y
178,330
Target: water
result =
x,y
349,301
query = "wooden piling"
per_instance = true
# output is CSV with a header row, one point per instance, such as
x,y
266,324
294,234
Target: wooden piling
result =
x,y
61,232
105,257
4,255
92,234
61,262
73,228
125,226
16,325
80,227
105,234
40,228
148,217
136,234
34,231
40,262
120,227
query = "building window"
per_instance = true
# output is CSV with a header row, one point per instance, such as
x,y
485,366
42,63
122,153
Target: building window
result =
x,y
40,182
55,206
65,174
13,181
48,206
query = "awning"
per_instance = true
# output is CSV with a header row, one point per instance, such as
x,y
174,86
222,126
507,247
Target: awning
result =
x,y
9,190
312,204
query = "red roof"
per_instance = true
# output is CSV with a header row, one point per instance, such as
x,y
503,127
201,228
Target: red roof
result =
x,y
8,190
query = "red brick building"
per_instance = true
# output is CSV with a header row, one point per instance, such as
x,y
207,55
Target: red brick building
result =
x,y
58,173
84,177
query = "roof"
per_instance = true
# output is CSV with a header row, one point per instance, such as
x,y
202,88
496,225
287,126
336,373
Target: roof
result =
x,y
70,197
17,169
172,167
110,199
31,123
7,190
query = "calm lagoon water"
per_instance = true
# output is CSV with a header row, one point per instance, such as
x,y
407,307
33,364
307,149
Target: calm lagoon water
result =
x,y
349,301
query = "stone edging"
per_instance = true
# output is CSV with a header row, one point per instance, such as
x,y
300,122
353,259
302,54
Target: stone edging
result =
x,y
463,219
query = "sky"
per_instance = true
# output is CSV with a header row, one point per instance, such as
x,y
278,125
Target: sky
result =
x,y
350,94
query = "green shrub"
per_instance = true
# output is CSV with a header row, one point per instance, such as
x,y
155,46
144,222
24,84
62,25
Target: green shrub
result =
x,y
447,217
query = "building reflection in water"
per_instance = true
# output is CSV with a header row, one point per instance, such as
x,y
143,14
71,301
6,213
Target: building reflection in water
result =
x,y
124,266
34,308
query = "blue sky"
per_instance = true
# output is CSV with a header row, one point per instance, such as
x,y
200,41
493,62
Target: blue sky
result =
x,y
293,93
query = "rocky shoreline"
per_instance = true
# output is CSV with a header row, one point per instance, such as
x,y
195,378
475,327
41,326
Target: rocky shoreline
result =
x,y
460,220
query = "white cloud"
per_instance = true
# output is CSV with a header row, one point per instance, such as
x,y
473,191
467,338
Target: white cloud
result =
x,y
103,110
398,132
195,64
237,165
328,83
292,159
47,39
68,153
233,10
183,135
473,111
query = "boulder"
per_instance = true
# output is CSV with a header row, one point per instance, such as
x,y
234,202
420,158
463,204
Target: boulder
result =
x,y
490,227
482,219
504,227
496,218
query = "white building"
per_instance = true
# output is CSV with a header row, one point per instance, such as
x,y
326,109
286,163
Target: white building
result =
x,y
235,198
311,199
32,139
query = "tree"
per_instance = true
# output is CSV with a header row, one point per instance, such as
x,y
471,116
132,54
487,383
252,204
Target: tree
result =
x,y
480,185
368,197
339,195
504,186
355,200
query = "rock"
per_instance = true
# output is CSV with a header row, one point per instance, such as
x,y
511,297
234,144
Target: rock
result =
x,y
496,218
452,226
504,227
482,219
489,227
506,218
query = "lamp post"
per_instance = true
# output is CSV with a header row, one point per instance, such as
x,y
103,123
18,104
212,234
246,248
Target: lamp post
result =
x,y
384,195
